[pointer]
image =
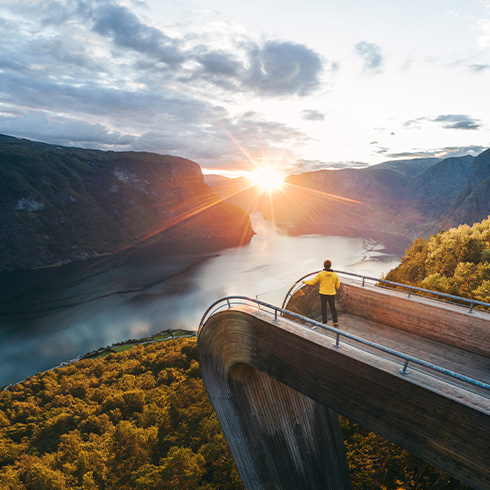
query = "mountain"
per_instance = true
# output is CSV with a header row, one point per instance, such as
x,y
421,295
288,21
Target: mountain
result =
x,y
472,204
410,168
413,198
60,204
427,197
238,191
396,174
393,202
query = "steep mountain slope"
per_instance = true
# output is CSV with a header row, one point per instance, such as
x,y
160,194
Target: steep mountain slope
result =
x,y
430,194
473,209
472,204
346,196
238,191
65,204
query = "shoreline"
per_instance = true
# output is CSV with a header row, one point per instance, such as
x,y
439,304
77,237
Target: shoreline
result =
x,y
167,334
392,243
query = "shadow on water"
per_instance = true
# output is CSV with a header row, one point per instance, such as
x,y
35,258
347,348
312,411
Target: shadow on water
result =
x,y
33,294
51,315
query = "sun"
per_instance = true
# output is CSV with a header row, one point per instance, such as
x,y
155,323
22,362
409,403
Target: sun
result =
x,y
267,179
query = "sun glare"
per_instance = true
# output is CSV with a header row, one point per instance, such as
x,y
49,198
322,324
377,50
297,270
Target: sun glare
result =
x,y
267,179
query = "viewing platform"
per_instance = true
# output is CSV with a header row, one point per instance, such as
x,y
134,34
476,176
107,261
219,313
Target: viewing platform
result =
x,y
412,368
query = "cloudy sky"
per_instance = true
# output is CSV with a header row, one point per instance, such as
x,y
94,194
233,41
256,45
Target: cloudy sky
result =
x,y
309,84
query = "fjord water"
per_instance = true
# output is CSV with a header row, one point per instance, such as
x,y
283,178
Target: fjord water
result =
x,y
52,315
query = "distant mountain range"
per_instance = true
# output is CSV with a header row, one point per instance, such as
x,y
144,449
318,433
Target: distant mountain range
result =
x,y
393,202
59,204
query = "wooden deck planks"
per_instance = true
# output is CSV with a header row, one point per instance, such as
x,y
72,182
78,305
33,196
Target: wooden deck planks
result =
x,y
449,357
448,323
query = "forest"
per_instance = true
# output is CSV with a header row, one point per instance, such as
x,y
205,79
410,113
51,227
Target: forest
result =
x,y
456,261
141,419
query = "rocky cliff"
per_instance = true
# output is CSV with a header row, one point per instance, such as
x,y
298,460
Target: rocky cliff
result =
x,y
60,204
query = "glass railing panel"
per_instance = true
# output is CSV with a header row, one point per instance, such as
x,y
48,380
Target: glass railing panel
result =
x,y
274,297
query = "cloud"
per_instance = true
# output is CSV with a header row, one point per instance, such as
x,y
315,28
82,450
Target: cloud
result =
x,y
479,68
371,56
108,19
404,155
445,152
313,115
64,131
106,39
457,121
218,63
283,68
273,68
127,31
303,166
460,151
93,74
414,123
228,142
447,121
483,26
88,98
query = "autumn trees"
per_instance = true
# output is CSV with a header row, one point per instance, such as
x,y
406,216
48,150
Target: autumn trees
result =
x,y
141,420
454,262
136,420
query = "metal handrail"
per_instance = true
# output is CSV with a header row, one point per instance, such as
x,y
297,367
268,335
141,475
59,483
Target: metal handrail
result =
x,y
227,301
411,289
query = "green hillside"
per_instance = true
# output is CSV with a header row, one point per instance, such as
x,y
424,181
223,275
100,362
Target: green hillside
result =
x,y
141,420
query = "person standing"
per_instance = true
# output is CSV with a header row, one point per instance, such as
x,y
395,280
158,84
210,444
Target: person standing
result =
x,y
329,283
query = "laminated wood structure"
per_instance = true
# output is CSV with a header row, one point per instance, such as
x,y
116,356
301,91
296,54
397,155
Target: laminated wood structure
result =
x,y
277,384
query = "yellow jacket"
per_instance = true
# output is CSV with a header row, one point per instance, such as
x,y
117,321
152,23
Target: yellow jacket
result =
x,y
329,282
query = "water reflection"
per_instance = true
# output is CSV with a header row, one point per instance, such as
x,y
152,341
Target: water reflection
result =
x,y
53,315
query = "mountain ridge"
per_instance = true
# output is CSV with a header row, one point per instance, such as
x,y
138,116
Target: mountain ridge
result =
x,y
61,204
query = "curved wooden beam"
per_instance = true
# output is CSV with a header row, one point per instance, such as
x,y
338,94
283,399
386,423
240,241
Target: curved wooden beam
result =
x,y
279,438
276,387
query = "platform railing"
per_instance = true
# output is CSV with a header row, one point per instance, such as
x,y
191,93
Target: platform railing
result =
x,y
469,303
275,312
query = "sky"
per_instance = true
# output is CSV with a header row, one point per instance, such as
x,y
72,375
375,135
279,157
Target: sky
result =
x,y
232,84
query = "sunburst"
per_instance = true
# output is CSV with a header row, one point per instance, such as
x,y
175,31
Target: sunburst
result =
x,y
267,178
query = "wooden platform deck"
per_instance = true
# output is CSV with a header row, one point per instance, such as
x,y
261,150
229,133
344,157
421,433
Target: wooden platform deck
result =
x,y
278,382
439,333
448,357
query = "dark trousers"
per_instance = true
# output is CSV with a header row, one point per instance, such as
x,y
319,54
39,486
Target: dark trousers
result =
x,y
330,299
